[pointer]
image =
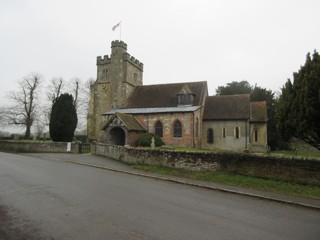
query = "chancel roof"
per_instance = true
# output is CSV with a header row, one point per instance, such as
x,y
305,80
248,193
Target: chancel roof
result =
x,y
165,95
259,111
227,107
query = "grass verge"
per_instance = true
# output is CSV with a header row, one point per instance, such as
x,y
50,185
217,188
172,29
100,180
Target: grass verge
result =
x,y
238,180
315,155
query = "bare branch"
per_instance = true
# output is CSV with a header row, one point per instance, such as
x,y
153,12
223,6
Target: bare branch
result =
x,y
55,89
23,111
76,82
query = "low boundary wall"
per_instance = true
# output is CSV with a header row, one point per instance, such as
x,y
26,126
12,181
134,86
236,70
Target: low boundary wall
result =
x,y
303,171
38,147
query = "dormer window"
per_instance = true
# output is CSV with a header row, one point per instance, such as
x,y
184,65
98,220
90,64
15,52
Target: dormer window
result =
x,y
185,97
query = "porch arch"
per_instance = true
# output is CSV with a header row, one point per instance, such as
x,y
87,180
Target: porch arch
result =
x,y
118,136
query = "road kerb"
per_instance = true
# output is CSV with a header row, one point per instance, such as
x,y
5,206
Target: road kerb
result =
x,y
225,190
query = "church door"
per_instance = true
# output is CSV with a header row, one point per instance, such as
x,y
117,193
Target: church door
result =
x,y
118,136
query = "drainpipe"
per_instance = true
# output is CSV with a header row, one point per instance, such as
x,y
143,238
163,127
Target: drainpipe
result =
x,y
193,130
247,134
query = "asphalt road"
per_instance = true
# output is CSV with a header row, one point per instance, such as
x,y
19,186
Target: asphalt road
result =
x,y
60,200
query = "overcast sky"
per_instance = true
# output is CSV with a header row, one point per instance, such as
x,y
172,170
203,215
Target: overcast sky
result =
x,y
262,42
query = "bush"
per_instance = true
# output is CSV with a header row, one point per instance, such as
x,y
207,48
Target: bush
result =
x,y
81,138
145,140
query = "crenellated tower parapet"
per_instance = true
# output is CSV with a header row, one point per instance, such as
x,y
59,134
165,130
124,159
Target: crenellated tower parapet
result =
x,y
103,60
133,61
118,43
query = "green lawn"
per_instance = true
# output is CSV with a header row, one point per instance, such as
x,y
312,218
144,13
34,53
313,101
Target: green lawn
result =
x,y
297,154
238,180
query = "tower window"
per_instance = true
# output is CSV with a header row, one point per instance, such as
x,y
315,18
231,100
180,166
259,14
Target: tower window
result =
x,y
177,131
223,132
210,135
159,129
135,77
105,73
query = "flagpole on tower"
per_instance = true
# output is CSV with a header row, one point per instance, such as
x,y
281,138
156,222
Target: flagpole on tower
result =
x,y
116,26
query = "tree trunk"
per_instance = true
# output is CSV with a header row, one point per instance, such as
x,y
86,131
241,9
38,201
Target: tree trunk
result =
x,y
28,132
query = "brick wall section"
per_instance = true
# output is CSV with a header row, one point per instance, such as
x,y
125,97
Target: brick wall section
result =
x,y
37,147
303,171
188,138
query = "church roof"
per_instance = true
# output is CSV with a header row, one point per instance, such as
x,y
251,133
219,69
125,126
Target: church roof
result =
x,y
259,111
165,95
227,107
130,122
153,110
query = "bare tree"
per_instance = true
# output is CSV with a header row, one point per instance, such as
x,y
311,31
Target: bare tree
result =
x,y
81,93
55,88
75,91
87,93
40,127
2,115
23,110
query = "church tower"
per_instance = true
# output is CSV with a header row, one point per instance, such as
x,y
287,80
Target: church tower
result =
x,y
117,76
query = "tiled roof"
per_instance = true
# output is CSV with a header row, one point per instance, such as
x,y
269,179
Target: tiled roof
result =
x,y
165,95
227,107
153,110
259,111
129,121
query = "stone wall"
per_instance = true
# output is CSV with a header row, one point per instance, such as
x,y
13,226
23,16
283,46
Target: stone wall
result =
x,y
37,147
259,144
229,142
303,171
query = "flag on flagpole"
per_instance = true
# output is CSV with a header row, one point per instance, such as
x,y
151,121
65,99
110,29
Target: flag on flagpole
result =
x,y
115,26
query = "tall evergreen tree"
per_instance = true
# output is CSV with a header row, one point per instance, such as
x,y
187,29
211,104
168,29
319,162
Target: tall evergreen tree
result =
x,y
298,109
63,119
283,110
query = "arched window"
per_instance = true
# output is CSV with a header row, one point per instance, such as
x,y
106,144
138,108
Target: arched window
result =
x,y
159,129
256,135
197,127
177,131
210,135
237,132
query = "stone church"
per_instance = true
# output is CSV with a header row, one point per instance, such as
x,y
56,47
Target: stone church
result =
x,y
182,114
